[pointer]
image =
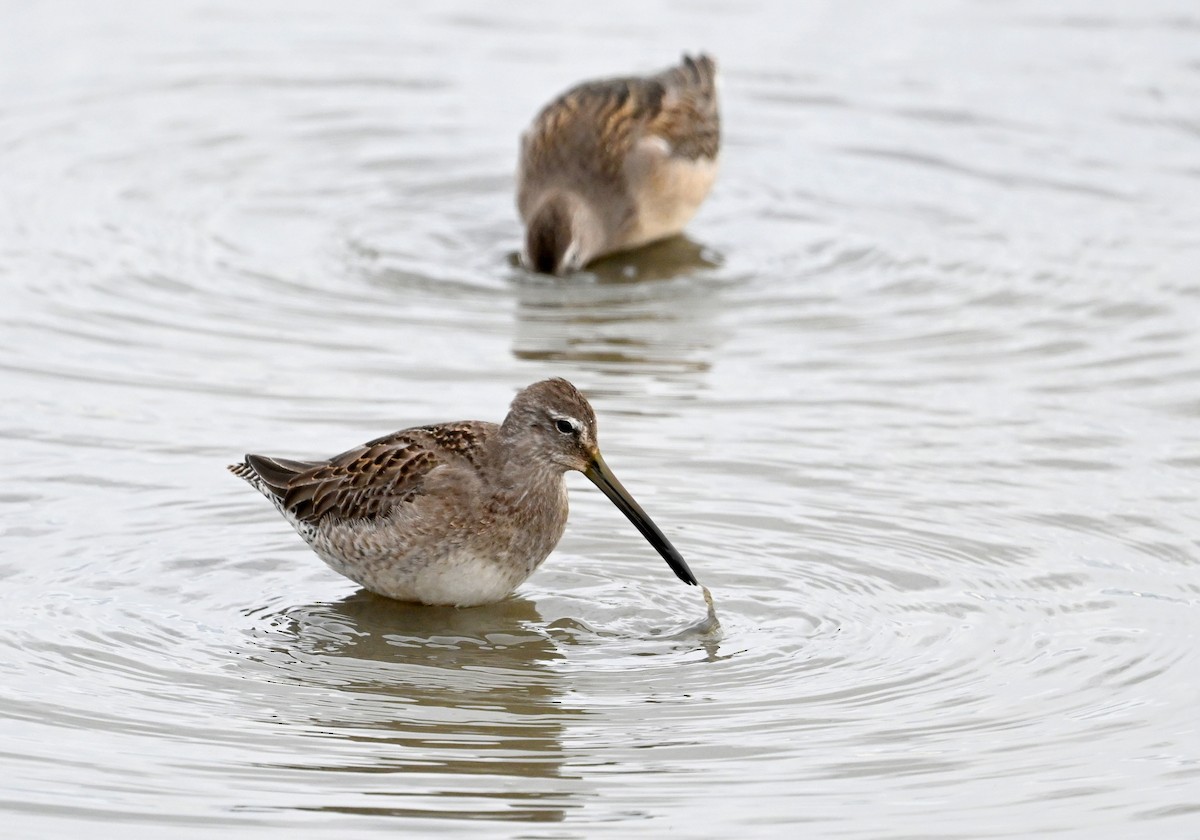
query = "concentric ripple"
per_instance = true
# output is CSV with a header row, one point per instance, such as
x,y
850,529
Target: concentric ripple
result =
x,y
917,397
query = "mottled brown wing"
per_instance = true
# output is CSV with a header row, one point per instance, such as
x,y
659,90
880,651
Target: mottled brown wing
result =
x,y
369,481
688,117
585,134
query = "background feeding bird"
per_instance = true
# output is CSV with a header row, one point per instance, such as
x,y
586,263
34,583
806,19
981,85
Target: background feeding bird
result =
x,y
617,163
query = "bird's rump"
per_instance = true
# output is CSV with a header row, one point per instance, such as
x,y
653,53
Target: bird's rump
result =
x,y
591,128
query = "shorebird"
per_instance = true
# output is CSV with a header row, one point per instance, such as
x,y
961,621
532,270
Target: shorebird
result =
x,y
454,513
617,163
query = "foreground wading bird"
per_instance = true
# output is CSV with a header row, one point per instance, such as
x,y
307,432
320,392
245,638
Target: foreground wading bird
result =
x,y
617,163
455,513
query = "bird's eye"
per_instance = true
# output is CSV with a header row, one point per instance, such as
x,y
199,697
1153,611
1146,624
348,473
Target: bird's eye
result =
x,y
565,426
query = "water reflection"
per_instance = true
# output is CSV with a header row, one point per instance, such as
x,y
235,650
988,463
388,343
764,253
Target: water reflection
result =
x,y
955,555
462,708
667,259
653,307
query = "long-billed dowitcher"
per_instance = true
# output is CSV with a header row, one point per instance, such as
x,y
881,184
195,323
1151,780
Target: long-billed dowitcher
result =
x,y
454,513
617,163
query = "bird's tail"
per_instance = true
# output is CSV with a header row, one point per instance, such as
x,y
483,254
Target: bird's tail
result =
x,y
697,74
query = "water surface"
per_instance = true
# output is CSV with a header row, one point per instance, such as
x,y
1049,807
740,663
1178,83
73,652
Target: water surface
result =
x,y
918,397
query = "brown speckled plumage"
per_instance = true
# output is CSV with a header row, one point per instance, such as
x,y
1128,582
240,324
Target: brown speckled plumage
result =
x,y
618,163
453,513
367,481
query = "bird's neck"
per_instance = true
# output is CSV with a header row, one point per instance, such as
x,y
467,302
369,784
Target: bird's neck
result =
x,y
563,233
517,458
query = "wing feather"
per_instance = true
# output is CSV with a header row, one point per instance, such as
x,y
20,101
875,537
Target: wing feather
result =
x,y
583,138
366,482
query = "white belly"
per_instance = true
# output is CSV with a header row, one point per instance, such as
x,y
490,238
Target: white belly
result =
x,y
667,192
465,581
457,579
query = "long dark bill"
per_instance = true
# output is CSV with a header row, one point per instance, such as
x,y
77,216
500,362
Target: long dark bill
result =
x,y
602,477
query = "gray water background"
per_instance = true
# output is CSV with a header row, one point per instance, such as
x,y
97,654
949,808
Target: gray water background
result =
x,y
918,397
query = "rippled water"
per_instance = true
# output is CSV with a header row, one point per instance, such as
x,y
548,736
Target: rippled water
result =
x,y
918,397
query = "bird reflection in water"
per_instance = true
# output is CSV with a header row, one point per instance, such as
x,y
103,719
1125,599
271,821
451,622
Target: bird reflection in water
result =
x,y
464,708
678,256
628,313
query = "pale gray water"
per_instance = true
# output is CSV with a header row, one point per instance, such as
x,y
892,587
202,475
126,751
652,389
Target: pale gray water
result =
x,y
919,399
